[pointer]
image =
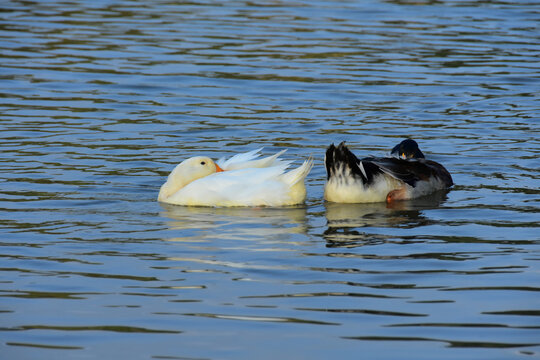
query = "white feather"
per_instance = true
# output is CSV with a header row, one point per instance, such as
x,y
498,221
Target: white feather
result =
x,y
239,158
246,160
351,190
362,169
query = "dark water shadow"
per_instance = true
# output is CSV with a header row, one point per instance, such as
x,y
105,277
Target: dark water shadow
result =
x,y
344,220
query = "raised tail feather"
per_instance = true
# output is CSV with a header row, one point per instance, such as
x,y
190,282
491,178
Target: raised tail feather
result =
x,y
299,174
340,161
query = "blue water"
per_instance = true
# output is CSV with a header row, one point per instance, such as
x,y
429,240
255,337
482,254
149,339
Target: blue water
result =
x,y
100,100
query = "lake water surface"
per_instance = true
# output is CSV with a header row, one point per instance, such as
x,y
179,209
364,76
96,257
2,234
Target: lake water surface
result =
x,y
100,100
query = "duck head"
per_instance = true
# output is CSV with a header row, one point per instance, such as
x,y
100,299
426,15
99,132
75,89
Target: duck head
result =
x,y
187,171
407,149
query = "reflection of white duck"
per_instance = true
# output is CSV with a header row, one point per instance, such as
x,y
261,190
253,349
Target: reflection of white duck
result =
x,y
268,223
241,180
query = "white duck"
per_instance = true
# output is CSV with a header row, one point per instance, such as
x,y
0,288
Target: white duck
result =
x,y
241,180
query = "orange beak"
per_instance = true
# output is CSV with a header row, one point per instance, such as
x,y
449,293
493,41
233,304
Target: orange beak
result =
x,y
218,169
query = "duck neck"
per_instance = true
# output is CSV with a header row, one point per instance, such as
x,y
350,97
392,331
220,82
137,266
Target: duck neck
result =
x,y
174,183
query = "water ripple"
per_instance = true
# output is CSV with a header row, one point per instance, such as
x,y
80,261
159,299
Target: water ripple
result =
x,y
101,100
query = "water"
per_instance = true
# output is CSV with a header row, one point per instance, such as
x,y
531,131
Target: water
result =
x,y
101,99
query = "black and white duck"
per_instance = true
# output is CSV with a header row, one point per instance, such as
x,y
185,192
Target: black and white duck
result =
x,y
378,179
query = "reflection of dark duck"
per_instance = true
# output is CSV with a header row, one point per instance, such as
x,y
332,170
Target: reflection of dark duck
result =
x,y
380,214
407,149
349,225
375,179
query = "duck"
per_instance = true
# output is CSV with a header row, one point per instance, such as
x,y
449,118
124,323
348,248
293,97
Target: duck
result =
x,y
381,179
242,180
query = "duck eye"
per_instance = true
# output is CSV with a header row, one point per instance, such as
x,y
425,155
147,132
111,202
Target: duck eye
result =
x,y
203,163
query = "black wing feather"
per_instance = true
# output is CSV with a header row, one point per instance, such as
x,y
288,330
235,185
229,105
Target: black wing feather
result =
x,y
397,168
